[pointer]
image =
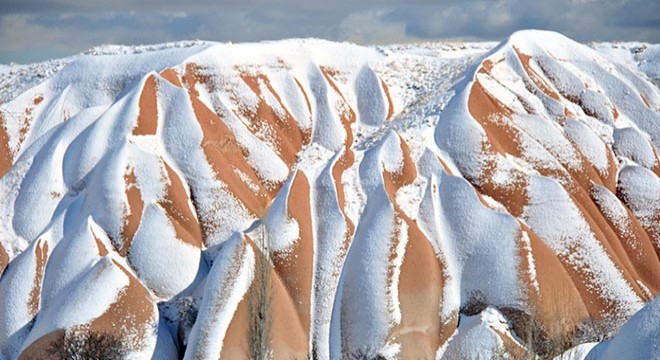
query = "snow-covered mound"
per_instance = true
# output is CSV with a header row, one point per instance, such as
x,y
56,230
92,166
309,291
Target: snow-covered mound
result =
x,y
553,132
317,199
644,56
637,339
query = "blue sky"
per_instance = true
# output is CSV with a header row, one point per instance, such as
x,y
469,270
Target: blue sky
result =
x,y
34,30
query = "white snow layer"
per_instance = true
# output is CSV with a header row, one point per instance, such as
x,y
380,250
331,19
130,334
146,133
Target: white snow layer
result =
x,y
66,186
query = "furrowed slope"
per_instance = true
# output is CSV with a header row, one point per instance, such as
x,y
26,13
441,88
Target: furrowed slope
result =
x,y
164,199
544,127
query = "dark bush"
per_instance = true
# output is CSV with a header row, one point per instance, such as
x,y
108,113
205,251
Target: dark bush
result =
x,y
366,354
260,302
595,330
475,304
88,345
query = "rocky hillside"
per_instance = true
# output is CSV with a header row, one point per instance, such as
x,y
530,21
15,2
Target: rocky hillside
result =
x,y
309,199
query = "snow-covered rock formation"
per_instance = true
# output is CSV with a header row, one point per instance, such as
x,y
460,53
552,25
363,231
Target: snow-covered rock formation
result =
x,y
365,196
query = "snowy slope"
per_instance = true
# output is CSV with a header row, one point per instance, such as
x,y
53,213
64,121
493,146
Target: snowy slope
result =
x,y
149,193
637,338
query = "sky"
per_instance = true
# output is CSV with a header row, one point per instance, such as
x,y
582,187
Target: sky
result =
x,y
36,30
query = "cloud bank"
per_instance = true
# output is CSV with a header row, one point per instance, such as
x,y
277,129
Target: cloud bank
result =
x,y
32,30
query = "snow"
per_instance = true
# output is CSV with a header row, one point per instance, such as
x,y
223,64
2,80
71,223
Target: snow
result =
x,y
640,189
165,346
469,233
163,263
642,57
75,254
558,221
637,338
327,130
365,281
281,230
66,185
633,144
228,282
354,195
15,78
611,207
83,301
181,135
478,337
16,286
409,197
372,104
527,246
589,144
579,352
545,146
436,228
595,91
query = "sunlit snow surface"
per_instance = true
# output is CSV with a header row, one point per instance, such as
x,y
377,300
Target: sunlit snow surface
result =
x,y
97,212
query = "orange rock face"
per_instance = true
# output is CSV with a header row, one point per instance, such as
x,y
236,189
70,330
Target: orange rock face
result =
x,y
4,259
6,158
147,120
177,207
133,212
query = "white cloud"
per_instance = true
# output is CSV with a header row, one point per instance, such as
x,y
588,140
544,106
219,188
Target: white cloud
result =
x,y
371,27
18,33
69,26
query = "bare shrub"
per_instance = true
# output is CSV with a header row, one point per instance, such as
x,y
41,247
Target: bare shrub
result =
x,y
475,304
542,341
88,345
260,302
187,311
528,330
595,330
547,341
366,354
550,338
